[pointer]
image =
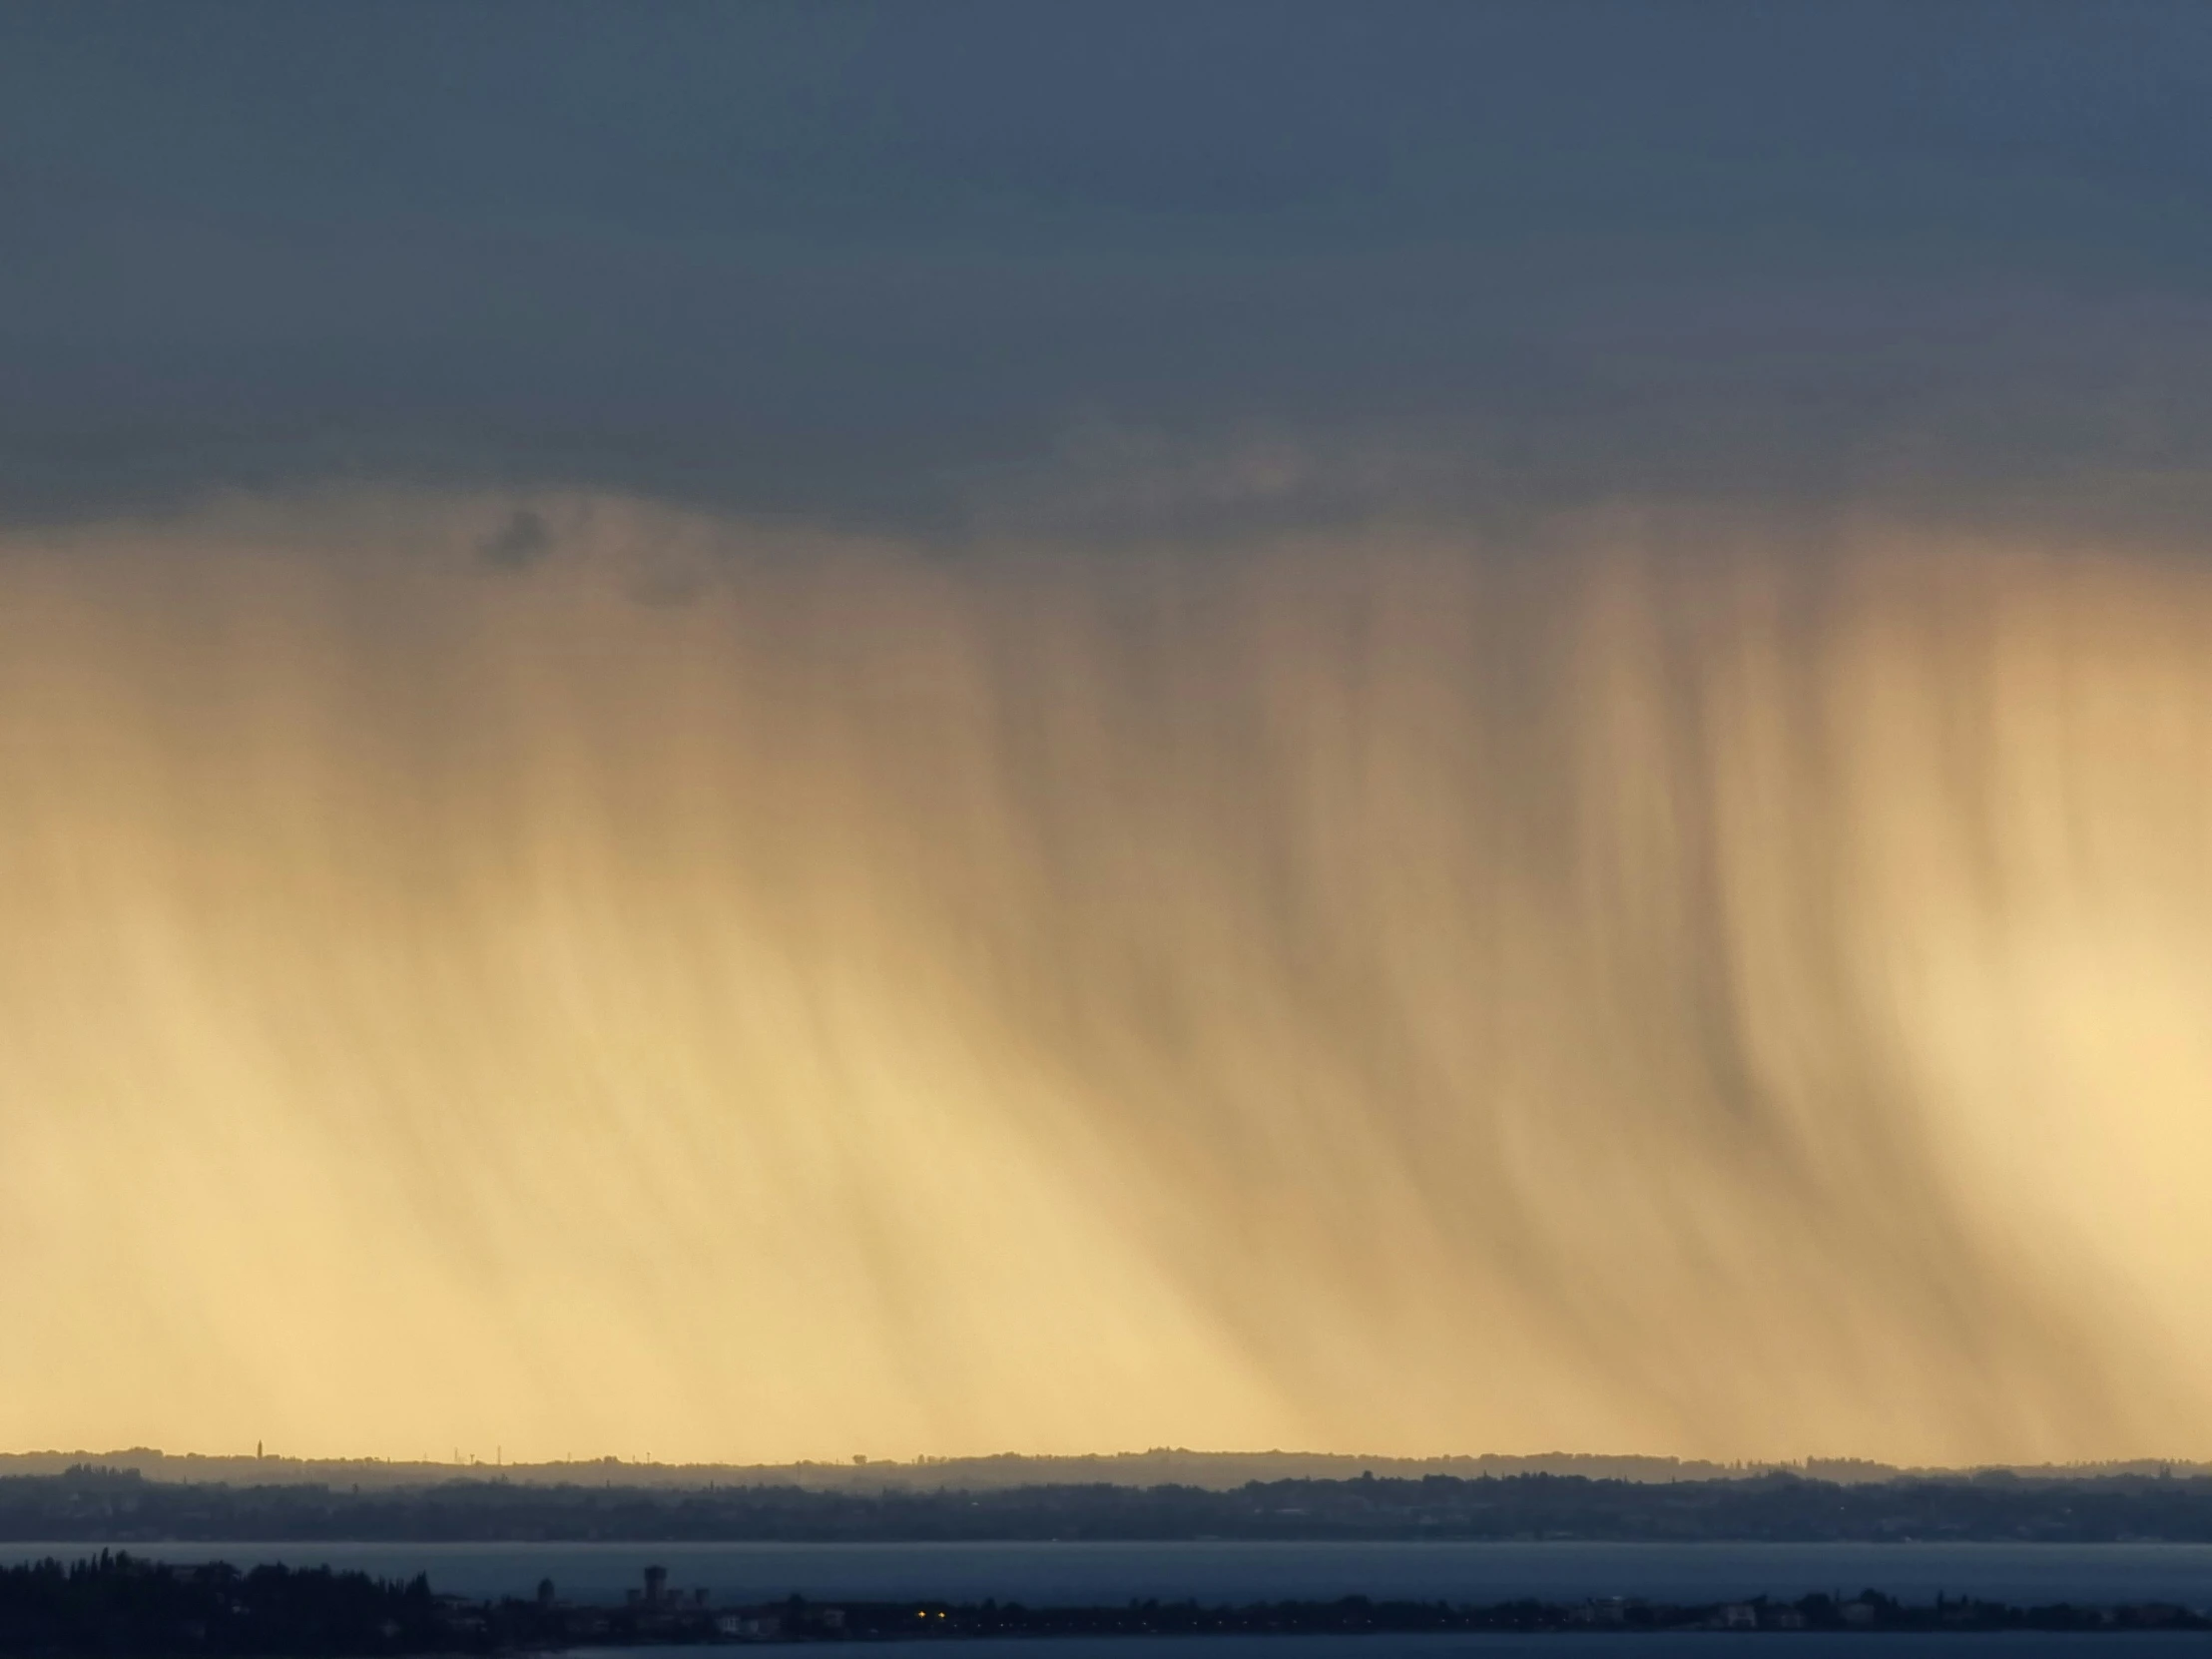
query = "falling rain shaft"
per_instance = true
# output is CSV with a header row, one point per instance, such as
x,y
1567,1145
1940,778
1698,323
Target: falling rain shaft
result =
x,y
1677,984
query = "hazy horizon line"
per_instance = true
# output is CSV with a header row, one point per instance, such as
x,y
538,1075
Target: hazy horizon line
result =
x,y
82,1457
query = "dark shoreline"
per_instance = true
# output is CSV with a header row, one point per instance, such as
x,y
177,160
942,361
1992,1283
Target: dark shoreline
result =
x,y
115,1603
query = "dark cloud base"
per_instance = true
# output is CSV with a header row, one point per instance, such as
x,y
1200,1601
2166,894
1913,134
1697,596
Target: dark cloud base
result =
x,y
872,267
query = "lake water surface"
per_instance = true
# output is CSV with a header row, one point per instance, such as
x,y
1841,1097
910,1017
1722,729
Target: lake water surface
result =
x,y
1099,1573
1688,1644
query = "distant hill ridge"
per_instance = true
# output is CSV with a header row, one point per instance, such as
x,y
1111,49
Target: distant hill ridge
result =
x,y
93,1504
1212,1471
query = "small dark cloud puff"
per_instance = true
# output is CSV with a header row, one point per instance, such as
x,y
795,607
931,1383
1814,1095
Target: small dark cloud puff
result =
x,y
517,544
668,587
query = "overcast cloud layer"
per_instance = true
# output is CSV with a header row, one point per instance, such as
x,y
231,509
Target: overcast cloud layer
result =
x,y
888,265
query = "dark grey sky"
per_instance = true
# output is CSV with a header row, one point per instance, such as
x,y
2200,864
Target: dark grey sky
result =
x,y
878,263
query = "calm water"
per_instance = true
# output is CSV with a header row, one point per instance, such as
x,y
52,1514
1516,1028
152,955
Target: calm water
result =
x,y
1580,1646
1043,1573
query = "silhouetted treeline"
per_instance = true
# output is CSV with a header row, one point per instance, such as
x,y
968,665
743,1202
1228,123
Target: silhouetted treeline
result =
x,y
127,1606
93,1505
118,1605
122,1606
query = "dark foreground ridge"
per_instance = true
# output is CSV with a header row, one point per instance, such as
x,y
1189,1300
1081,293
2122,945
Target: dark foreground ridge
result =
x,y
116,1604
94,1506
